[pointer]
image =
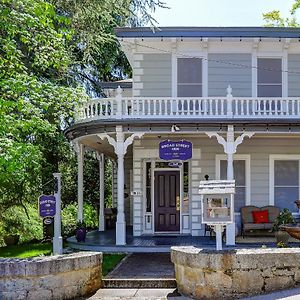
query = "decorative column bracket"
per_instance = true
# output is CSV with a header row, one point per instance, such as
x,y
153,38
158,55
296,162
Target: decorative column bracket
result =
x,y
230,145
120,148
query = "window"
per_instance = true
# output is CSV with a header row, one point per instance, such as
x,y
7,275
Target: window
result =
x,y
269,77
239,169
286,183
189,77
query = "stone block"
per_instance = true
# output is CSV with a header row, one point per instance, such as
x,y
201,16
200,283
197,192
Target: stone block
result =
x,y
39,294
250,281
278,283
218,280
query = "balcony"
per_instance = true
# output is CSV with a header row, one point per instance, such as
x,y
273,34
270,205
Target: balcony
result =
x,y
204,108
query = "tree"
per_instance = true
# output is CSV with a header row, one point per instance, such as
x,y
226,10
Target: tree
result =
x,y
47,49
274,18
34,103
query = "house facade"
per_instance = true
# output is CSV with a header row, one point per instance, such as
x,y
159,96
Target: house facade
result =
x,y
231,95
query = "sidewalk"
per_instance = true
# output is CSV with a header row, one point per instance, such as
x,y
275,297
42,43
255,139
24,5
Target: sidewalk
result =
x,y
291,294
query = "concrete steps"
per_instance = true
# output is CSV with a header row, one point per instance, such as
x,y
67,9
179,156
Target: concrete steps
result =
x,y
142,271
139,283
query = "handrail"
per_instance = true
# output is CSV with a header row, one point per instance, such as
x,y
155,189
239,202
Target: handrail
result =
x,y
191,107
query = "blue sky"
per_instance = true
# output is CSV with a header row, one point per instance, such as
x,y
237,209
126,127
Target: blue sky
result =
x,y
219,12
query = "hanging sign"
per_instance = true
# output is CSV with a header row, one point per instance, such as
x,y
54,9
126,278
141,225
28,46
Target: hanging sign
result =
x,y
47,206
170,150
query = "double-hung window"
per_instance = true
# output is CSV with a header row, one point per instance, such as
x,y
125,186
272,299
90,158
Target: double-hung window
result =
x,y
285,185
269,77
241,169
189,77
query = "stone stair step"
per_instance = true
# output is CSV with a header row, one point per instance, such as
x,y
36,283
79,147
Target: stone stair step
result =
x,y
139,283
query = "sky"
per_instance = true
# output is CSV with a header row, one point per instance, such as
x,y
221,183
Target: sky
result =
x,y
219,12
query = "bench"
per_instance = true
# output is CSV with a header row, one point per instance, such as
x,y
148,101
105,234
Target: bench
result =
x,y
247,222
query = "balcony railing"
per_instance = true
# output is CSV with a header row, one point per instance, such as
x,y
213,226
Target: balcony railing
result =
x,y
228,107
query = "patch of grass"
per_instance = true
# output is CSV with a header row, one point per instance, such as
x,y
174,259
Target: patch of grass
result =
x,y
110,261
26,250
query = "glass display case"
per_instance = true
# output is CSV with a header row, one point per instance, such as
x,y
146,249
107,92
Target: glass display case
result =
x,y
217,201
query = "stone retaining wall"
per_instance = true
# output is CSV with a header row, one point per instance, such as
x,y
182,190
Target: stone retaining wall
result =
x,y
52,277
210,274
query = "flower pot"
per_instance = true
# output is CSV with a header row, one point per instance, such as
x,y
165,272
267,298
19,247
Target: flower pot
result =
x,y
80,234
282,236
12,239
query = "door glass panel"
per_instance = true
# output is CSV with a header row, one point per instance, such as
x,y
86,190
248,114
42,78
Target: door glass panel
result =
x,y
189,90
185,205
148,186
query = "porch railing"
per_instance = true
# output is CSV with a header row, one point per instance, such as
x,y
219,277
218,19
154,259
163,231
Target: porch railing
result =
x,y
228,107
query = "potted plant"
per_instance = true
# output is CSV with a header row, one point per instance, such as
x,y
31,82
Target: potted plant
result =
x,y
80,231
285,217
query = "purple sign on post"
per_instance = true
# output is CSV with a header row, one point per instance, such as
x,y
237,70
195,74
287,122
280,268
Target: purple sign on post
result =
x,y
170,150
47,206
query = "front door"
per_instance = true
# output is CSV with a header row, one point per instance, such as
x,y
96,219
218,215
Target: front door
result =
x,y
167,200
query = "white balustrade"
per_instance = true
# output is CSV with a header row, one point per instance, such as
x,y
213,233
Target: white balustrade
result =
x,y
189,107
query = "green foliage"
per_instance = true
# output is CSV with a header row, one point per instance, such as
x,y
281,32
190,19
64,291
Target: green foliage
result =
x,y
275,19
110,261
48,49
69,218
15,221
26,250
285,217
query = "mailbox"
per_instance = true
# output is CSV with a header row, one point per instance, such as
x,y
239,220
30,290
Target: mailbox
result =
x,y
217,201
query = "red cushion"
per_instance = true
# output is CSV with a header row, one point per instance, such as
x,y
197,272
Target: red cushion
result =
x,y
261,216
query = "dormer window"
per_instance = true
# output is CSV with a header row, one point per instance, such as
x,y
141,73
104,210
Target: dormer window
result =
x,y
189,77
269,77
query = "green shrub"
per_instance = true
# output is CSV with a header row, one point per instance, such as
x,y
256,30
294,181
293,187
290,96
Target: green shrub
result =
x,y
69,218
14,220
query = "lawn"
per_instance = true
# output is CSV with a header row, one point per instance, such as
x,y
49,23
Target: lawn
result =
x,y
26,250
110,261
32,250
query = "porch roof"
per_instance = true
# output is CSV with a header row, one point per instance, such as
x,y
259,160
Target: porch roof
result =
x,y
194,32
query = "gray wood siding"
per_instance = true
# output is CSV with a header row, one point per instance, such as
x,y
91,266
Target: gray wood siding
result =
x,y
293,78
157,75
220,75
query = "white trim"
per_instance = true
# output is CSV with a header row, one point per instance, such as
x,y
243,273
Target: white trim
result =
x,y
272,158
247,159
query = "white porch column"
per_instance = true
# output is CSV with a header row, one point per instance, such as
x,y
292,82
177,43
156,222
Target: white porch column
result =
x,y
120,145
230,147
80,160
100,157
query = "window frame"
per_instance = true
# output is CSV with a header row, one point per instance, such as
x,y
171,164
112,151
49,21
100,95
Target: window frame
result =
x,y
247,159
204,74
272,159
270,84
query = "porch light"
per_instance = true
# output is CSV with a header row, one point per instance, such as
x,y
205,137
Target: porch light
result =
x,y
175,128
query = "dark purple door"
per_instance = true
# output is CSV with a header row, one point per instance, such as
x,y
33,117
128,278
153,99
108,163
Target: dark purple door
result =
x,y
167,200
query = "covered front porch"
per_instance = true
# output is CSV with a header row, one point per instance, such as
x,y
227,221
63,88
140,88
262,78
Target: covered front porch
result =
x,y
106,242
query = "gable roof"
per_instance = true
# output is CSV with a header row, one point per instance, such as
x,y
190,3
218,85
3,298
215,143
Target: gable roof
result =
x,y
202,32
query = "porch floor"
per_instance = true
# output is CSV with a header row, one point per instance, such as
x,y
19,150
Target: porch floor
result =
x,y
105,242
